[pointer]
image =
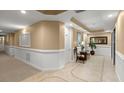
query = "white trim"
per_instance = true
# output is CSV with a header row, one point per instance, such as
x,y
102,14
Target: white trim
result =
x,y
120,55
118,76
103,50
42,69
39,50
103,46
119,66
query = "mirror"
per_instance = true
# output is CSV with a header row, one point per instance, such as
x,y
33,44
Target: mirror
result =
x,y
99,40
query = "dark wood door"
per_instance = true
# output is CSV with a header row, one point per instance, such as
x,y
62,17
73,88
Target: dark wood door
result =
x,y
113,46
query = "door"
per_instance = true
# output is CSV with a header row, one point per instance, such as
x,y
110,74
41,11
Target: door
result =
x,y
113,47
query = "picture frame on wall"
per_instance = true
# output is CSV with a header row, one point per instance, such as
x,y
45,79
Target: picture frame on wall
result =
x,y
100,40
24,40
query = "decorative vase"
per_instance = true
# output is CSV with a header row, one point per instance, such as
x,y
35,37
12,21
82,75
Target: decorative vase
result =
x,y
92,52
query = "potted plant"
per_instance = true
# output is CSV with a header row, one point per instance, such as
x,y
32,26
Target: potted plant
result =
x,y
92,45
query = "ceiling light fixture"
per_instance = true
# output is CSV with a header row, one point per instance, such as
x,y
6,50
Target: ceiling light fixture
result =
x,y
110,15
108,31
24,31
23,11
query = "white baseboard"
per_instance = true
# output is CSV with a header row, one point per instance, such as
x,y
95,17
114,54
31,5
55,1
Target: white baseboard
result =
x,y
118,76
119,67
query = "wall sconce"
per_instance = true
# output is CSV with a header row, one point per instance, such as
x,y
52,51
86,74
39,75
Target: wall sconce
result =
x,y
24,31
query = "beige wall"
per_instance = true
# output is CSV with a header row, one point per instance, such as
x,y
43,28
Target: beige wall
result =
x,y
74,39
100,34
16,38
120,33
1,39
44,35
61,36
9,39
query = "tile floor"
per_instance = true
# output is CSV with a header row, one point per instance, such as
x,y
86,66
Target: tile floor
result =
x,y
12,70
95,69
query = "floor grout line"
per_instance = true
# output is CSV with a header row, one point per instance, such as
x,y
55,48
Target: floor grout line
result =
x,y
76,76
53,77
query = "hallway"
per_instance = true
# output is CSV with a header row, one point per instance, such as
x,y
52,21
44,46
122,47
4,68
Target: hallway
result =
x,y
73,46
97,68
42,49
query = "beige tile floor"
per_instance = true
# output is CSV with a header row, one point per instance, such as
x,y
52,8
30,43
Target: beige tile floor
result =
x,y
95,69
14,70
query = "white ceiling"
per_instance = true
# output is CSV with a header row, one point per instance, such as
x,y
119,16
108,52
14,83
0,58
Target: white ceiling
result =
x,y
98,19
12,20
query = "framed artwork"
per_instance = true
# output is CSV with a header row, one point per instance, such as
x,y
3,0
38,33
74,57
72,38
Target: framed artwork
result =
x,y
24,39
99,40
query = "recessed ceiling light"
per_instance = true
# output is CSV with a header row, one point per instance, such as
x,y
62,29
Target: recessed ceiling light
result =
x,y
108,31
23,11
110,15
